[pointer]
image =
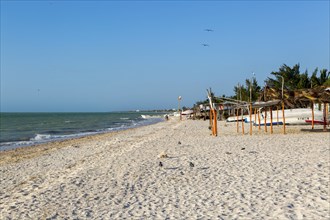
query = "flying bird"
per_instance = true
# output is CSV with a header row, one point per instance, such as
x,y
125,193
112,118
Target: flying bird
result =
x,y
208,30
205,45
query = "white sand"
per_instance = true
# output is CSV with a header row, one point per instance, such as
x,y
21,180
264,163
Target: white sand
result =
x,y
117,176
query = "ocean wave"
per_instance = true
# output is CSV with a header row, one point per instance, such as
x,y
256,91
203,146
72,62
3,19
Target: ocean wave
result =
x,y
51,135
151,116
124,118
40,137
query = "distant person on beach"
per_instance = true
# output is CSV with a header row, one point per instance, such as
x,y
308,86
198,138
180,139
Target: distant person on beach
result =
x,y
166,117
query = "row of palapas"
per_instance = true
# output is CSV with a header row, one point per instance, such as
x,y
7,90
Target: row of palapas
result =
x,y
263,113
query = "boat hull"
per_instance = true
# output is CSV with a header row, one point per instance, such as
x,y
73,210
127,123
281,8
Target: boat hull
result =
x,y
298,116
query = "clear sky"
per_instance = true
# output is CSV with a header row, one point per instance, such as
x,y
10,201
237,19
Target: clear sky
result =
x,y
127,55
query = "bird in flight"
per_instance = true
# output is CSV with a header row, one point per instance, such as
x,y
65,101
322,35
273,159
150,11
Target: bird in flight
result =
x,y
205,45
208,30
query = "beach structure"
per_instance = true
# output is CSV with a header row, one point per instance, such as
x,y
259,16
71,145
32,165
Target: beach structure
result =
x,y
213,114
298,107
303,98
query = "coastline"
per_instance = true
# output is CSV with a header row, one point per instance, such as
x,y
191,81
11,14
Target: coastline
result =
x,y
29,129
117,175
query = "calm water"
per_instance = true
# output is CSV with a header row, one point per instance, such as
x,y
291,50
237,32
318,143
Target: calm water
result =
x,y
24,129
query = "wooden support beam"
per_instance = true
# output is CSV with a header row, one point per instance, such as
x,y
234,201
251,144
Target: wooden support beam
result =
x,y
324,117
215,124
242,121
210,117
312,115
277,115
237,125
283,117
250,118
265,119
271,119
259,128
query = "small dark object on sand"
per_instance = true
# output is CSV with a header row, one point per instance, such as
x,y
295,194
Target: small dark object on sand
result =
x,y
243,148
179,142
181,173
191,164
160,164
228,153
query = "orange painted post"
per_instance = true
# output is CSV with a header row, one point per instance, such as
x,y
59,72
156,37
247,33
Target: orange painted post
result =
x,y
237,126
215,124
277,115
324,117
210,116
271,119
312,115
259,121
327,113
255,116
212,112
250,118
283,117
265,119
242,122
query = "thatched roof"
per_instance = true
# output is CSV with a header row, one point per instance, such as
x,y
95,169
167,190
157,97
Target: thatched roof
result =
x,y
296,98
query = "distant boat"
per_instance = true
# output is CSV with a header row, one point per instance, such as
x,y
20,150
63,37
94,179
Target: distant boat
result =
x,y
176,114
187,112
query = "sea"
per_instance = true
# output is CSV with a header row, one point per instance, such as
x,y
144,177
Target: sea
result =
x,y
26,129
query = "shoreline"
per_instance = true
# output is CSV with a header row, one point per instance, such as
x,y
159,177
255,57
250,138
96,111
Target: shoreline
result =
x,y
29,151
117,175
52,127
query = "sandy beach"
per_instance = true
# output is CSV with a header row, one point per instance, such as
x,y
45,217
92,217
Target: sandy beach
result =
x,y
118,175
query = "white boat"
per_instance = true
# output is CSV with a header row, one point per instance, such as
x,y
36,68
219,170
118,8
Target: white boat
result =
x,y
239,118
176,114
187,112
297,116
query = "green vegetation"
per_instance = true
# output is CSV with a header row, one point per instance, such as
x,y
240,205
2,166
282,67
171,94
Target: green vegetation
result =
x,y
292,77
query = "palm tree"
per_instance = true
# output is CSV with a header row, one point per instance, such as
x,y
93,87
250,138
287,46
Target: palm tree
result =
x,y
291,77
324,76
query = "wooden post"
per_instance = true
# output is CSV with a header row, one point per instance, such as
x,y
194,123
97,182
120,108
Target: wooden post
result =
x,y
312,114
277,115
242,122
250,118
212,128
259,128
324,117
255,115
210,116
327,113
237,126
283,117
215,124
265,119
271,119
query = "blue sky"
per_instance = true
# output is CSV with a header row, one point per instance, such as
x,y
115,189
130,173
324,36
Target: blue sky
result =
x,y
127,55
